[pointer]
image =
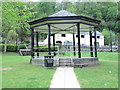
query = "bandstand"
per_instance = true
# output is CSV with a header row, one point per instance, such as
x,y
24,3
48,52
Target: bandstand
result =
x,y
64,22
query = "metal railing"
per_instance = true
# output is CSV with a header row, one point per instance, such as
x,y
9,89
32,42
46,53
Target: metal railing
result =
x,y
83,50
41,52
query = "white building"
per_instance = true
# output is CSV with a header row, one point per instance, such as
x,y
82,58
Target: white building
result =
x,y
67,39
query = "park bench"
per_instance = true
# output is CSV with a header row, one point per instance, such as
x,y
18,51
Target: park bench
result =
x,y
25,52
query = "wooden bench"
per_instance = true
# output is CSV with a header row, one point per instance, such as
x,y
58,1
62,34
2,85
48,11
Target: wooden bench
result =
x,y
25,52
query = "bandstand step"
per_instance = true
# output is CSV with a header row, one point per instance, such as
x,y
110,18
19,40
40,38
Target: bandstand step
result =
x,y
65,62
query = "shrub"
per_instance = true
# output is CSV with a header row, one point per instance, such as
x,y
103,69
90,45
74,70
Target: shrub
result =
x,y
45,49
22,46
12,47
27,42
1,47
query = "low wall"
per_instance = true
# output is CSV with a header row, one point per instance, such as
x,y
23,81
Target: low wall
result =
x,y
86,60
38,61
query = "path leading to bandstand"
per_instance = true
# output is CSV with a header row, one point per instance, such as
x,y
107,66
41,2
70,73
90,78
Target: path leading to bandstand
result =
x,y
64,77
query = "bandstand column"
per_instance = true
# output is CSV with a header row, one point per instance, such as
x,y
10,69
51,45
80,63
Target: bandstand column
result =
x,y
95,43
37,43
91,48
49,42
78,33
54,44
32,44
74,44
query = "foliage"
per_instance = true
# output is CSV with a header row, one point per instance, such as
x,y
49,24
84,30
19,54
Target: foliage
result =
x,y
12,35
44,48
27,42
107,38
12,47
21,46
43,36
44,9
107,12
15,15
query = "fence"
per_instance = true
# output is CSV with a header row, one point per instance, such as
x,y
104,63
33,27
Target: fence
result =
x,y
85,51
41,51
68,50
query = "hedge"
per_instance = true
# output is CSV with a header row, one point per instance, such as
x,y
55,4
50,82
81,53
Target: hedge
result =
x,y
45,49
12,47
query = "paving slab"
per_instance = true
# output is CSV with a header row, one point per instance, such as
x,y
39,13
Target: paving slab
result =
x,y
64,77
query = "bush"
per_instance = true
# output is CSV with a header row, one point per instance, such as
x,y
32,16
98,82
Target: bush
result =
x,y
12,47
22,46
27,42
1,47
45,49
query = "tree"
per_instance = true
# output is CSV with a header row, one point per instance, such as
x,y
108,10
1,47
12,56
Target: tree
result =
x,y
107,39
15,17
12,35
44,9
43,36
8,20
71,7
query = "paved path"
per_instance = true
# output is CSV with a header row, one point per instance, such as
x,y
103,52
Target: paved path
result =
x,y
64,77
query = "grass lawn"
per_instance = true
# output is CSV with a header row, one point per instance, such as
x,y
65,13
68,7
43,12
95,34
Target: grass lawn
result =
x,y
103,76
23,74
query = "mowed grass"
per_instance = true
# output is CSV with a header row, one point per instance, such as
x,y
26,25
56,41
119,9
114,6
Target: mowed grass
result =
x,y
104,75
23,74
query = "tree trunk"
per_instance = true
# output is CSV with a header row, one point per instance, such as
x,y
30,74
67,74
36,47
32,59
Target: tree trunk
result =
x,y
118,41
5,46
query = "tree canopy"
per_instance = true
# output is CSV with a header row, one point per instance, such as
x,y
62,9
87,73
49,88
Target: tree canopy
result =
x,y
16,15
